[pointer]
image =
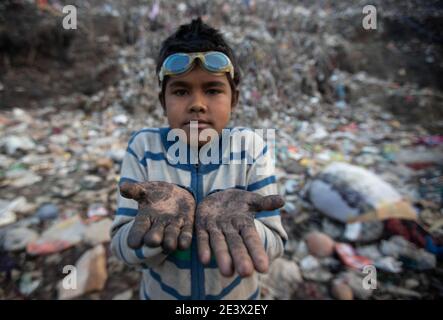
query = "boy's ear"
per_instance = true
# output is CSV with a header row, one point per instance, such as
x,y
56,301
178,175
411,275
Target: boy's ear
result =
x,y
234,99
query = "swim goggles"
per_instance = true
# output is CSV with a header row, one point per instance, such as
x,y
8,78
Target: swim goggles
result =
x,y
212,61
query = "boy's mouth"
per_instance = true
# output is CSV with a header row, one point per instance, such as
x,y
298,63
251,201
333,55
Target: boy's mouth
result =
x,y
199,123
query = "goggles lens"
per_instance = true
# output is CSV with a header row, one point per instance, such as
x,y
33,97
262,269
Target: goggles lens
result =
x,y
177,63
216,61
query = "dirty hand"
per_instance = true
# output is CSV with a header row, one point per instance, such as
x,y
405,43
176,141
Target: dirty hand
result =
x,y
165,215
225,222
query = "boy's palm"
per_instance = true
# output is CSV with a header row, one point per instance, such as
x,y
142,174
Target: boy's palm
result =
x,y
165,215
225,222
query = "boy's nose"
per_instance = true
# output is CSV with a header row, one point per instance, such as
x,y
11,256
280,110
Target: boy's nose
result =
x,y
197,108
197,104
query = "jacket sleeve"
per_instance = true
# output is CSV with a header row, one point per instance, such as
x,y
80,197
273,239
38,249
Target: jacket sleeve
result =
x,y
131,171
261,179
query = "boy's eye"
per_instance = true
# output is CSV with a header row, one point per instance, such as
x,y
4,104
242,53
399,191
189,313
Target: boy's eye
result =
x,y
180,92
213,91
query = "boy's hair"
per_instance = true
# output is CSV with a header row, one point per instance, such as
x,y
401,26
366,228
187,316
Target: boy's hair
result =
x,y
193,37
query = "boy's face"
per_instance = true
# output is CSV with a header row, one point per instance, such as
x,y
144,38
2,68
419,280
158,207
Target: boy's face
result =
x,y
199,95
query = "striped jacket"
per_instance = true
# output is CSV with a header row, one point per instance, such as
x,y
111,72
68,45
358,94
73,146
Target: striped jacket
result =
x,y
180,275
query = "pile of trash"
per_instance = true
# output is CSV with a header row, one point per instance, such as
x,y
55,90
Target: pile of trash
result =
x,y
362,181
356,237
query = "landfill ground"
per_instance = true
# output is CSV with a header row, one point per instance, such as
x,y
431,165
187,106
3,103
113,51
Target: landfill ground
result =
x,y
335,92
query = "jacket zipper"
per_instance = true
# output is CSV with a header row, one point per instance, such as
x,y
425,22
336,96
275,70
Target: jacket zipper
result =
x,y
197,271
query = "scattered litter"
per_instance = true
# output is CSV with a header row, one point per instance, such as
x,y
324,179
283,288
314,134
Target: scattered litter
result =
x,y
60,236
349,257
17,239
411,256
319,244
47,211
29,283
282,279
341,291
97,210
98,232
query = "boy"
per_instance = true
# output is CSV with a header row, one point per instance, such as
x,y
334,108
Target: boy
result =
x,y
199,231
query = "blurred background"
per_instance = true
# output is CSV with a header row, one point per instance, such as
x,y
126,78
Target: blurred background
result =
x,y
371,100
